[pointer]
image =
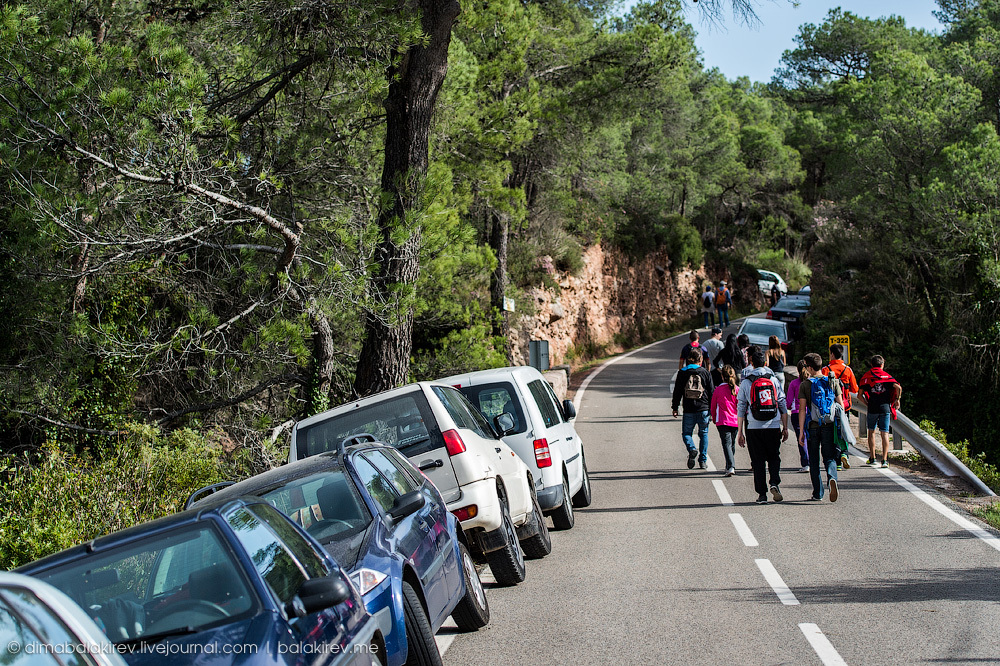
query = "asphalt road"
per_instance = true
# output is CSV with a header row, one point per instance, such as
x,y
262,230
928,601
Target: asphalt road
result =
x,y
678,566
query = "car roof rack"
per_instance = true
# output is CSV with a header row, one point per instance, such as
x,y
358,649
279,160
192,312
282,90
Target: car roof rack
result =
x,y
206,491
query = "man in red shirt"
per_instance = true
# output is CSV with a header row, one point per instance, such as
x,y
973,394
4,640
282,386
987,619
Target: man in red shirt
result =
x,y
849,382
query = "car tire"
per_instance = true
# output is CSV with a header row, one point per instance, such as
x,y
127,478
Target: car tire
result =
x,y
421,648
583,497
473,611
538,546
563,517
507,563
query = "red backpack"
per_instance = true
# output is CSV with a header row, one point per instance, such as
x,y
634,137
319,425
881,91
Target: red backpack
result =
x,y
763,401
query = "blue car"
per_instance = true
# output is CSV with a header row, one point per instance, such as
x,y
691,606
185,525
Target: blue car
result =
x,y
388,525
235,582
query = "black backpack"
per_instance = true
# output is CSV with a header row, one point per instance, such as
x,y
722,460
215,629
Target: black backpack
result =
x,y
708,301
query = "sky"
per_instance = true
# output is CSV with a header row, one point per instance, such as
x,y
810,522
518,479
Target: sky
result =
x,y
738,50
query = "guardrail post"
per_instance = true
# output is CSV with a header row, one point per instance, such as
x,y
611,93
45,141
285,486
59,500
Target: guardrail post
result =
x,y
862,425
897,441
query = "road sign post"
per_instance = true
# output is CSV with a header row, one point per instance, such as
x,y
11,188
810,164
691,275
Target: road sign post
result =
x,y
843,340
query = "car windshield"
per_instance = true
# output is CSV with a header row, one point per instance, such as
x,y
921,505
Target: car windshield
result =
x,y
182,580
327,505
404,422
794,303
764,329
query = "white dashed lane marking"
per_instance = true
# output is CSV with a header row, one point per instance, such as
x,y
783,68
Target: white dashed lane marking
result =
x,y
827,654
743,530
724,497
777,584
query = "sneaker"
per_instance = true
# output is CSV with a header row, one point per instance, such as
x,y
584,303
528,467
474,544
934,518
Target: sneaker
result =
x,y
730,472
761,499
804,468
871,461
840,468
845,461
692,454
885,464
815,499
834,492
702,465
776,494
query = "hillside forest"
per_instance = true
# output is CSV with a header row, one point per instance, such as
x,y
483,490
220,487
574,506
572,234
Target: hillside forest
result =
x,y
218,216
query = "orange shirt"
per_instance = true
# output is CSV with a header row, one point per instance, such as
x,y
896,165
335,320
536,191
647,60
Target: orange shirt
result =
x,y
843,372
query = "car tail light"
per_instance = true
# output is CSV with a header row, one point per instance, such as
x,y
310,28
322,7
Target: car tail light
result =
x,y
453,442
770,315
466,512
542,455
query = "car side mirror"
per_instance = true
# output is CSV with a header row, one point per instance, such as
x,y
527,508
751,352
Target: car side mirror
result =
x,y
406,505
569,409
318,594
504,424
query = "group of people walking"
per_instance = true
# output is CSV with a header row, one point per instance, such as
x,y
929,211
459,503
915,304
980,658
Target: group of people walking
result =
x,y
716,300
740,388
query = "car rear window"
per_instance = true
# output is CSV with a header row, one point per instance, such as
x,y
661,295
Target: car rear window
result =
x,y
760,328
405,422
492,400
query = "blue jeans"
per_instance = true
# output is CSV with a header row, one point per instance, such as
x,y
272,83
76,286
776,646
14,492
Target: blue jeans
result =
x,y
820,440
709,319
728,436
723,315
803,448
690,420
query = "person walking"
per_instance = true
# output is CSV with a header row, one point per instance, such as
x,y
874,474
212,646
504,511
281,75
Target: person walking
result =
x,y
744,343
723,301
762,416
775,294
880,394
723,412
792,393
776,360
849,385
731,355
686,349
710,350
694,386
708,305
817,393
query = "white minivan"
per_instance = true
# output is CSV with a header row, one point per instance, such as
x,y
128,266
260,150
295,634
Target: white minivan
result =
x,y
488,488
543,434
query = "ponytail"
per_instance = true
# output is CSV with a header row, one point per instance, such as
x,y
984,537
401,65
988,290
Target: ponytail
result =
x,y
729,375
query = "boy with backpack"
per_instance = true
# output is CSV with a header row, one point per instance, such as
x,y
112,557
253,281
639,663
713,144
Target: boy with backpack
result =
x,y
763,425
708,306
818,395
694,386
723,299
849,385
880,394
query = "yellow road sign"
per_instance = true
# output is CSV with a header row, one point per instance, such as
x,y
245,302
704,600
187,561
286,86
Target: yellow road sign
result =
x,y
843,340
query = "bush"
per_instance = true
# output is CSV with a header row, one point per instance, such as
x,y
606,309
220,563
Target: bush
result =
x,y
61,499
976,462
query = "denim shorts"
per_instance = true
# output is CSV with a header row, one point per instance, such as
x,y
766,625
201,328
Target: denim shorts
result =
x,y
879,421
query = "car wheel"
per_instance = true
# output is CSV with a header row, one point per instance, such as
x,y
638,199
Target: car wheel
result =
x,y
421,648
473,611
563,517
583,496
507,563
538,546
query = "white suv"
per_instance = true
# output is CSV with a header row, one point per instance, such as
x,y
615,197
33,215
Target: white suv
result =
x,y
488,488
543,434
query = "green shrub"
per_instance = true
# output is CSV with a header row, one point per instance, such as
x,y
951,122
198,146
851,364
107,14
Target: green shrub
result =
x,y
976,462
61,499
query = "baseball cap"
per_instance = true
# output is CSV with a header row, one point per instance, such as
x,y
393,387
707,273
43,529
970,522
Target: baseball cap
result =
x,y
723,282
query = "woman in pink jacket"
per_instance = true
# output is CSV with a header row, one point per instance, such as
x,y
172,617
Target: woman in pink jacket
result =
x,y
723,413
793,414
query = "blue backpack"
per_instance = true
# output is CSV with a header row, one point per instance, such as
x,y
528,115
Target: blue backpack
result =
x,y
821,399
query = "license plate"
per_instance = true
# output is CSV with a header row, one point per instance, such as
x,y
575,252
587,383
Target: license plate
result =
x,y
788,319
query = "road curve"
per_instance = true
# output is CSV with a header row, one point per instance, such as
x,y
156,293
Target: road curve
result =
x,y
671,565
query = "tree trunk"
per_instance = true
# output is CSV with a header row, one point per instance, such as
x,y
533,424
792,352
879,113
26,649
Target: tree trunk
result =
x,y
499,234
413,90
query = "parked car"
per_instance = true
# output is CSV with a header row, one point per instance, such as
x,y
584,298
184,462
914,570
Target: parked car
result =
x,y
41,626
543,434
792,309
488,488
768,279
236,580
760,331
387,525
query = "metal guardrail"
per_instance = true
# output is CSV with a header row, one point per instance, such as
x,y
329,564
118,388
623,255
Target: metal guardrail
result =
x,y
931,449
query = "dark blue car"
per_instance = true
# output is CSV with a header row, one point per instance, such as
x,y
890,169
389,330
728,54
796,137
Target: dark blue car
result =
x,y
387,525
235,582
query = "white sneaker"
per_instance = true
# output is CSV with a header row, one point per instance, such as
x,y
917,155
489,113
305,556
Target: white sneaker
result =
x,y
804,469
730,472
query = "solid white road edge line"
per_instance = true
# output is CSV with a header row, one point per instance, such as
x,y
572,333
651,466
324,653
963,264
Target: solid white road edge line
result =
x,y
743,530
444,641
724,497
777,584
819,642
935,504
578,398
